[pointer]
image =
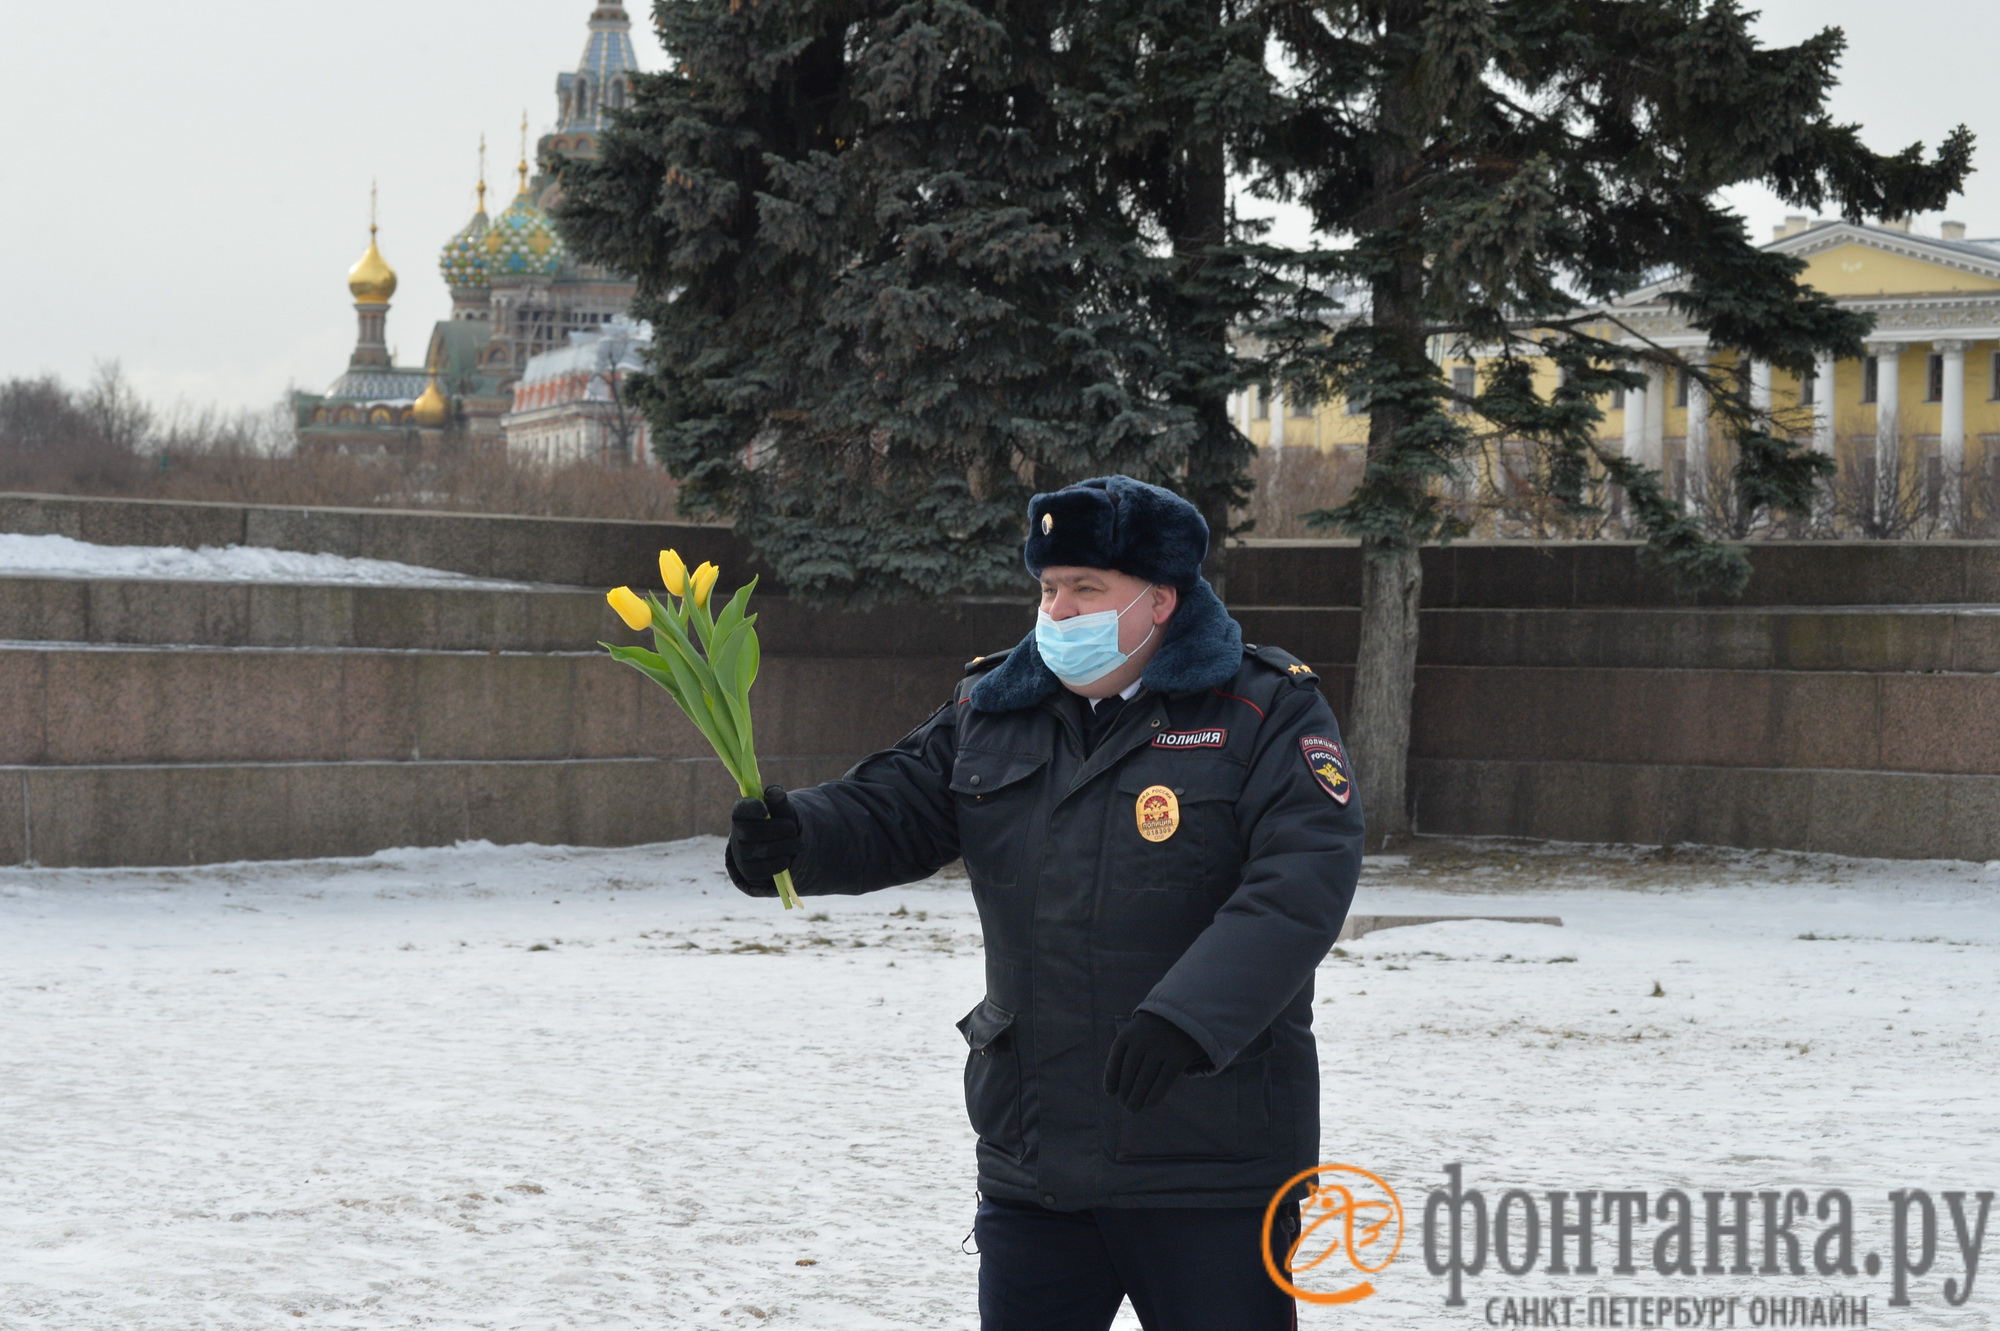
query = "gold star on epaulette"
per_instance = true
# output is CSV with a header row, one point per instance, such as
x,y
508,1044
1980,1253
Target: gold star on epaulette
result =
x,y
1297,669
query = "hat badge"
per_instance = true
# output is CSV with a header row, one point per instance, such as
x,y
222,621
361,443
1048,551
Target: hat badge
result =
x,y
1048,523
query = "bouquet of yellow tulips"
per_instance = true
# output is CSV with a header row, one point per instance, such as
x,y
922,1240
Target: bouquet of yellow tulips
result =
x,y
711,683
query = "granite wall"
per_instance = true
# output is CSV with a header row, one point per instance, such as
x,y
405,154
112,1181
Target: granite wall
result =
x,y
1849,702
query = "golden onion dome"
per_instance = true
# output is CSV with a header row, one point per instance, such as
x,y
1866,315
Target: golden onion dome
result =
x,y
431,408
372,280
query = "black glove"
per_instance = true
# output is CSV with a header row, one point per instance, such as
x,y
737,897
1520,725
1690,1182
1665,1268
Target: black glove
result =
x,y
1147,1058
763,842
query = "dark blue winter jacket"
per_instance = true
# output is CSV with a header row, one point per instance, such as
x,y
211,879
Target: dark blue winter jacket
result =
x,y
1198,864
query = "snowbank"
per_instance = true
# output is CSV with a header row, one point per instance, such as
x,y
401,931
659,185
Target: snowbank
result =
x,y
62,557
1466,940
535,1087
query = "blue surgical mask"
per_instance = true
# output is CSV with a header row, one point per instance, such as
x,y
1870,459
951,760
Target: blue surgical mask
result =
x,y
1084,648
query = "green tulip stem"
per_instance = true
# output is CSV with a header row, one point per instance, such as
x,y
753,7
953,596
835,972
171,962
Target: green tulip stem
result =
x,y
708,674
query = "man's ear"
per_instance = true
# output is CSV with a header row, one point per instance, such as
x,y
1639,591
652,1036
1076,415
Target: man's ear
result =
x,y
1165,601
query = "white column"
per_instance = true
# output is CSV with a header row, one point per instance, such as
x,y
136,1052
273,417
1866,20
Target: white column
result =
x,y
1951,431
1277,418
1635,422
1825,370
1760,385
1655,455
1631,444
1888,426
1697,434
1823,380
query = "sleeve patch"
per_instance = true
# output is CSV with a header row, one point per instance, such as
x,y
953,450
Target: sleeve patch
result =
x,y
1327,761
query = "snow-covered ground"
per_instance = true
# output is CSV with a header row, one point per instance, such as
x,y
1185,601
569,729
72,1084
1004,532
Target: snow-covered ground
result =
x,y
62,557
531,1087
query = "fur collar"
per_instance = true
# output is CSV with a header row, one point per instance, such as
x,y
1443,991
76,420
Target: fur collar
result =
x,y
1203,649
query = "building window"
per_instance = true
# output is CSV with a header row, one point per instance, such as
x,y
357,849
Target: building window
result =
x,y
1357,405
1260,404
1871,379
1934,378
1464,385
1618,398
1809,388
1995,394
1301,403
1680,388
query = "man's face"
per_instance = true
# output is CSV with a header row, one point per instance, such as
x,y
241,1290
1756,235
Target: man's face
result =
x,y
1143,609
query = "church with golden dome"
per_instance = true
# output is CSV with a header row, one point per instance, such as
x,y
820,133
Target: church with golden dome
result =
x,y
516,292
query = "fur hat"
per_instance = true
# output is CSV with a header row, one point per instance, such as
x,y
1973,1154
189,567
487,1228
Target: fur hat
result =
x,y
1118,523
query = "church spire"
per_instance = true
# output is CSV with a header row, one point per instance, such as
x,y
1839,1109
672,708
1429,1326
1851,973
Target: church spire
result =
x,y
524,152
372,282
602,82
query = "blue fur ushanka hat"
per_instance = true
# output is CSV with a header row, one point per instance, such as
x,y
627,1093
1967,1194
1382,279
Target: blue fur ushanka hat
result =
x,y
1118,523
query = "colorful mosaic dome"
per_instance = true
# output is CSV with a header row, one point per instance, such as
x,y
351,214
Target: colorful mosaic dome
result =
x,y
522,242
463,261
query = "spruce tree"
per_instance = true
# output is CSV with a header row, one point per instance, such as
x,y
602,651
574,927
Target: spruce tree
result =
x,y
1164,95
894,285
1492,168
908,261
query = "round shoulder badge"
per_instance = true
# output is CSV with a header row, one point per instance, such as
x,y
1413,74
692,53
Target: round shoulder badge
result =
x,y
1158,812
1328,764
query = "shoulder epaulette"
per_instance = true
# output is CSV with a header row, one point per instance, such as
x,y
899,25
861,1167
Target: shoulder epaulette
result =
x,y
979,665
1282,661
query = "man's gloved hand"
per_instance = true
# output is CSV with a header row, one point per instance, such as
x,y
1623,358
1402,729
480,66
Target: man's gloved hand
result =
x,y
763,841
1147,1058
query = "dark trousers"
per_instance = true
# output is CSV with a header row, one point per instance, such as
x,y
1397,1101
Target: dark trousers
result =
x,y
1184,1268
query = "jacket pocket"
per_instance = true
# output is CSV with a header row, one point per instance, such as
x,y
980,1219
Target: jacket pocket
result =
x,y
983,773
1199,851
995,794
1220,1116
993,1078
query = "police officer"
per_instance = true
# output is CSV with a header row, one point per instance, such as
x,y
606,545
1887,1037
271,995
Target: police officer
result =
x,y
1162,835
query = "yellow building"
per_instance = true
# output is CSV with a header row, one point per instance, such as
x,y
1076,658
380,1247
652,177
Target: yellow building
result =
x,y
1925,401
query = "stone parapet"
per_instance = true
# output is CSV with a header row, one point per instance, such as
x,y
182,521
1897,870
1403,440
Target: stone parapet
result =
x,y
1836,720
595,553
547,619
103,706
1849,703
1748,638
574,552
209,813
1896,815
100,611
1513,574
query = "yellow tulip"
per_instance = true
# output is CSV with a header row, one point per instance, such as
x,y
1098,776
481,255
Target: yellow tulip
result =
x,y
635,612
673,572
704,580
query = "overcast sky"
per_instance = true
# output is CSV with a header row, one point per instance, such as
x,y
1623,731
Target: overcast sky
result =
x,y
186,182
